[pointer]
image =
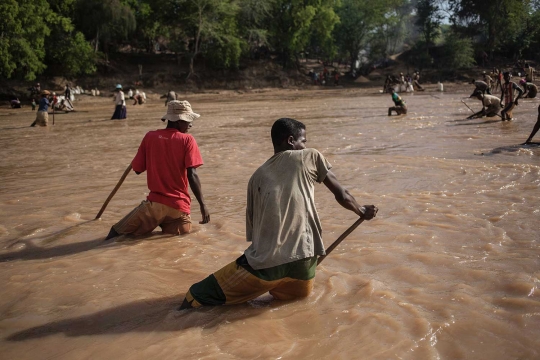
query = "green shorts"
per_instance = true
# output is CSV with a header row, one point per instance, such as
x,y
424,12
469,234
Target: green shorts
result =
x,y
238,282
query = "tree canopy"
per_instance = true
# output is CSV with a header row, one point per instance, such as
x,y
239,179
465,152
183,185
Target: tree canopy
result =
x,y
38,36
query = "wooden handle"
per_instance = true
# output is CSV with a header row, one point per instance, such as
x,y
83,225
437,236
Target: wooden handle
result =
x,y
340,239
124,175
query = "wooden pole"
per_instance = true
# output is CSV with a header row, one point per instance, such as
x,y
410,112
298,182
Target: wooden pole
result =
x,y
124,175
340,239
467,106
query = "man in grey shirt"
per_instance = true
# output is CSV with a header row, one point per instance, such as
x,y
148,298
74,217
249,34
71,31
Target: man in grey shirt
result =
x,y
282,225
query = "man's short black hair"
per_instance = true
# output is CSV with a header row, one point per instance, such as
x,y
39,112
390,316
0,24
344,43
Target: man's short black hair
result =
x,y
285,127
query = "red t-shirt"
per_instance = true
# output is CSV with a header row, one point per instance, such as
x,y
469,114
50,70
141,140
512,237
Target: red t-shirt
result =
x,y
165,155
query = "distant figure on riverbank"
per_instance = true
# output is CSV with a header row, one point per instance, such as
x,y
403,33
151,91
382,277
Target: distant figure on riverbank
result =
x,y
42,116
530,89
508,89
15,103
120,111
400,107
535,128
490,105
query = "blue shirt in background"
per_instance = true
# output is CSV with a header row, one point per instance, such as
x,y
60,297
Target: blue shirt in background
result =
x,y
43,104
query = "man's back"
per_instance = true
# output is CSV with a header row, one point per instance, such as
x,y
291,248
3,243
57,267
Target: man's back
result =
x,y
165,155
490,100
281,218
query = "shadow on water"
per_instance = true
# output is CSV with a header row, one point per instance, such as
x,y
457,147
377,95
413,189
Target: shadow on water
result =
x,y
511,148
148,315
16,128
32,252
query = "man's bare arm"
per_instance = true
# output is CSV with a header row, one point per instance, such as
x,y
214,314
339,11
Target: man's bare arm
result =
x,y
195,185
345,199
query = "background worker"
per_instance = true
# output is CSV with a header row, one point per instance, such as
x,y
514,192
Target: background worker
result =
x,y
42,115
530,89
120,111
490,105
508,89
400,107
482,86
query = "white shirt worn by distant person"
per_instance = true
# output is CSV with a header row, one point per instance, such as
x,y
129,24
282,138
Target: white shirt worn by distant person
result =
x,y
119,98
281,219
491,101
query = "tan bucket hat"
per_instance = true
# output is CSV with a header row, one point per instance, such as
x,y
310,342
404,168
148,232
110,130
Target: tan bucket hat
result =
x,y
179,110
45,92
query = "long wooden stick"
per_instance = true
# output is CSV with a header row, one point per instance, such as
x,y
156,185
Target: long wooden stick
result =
x,y
468,106
340,239
124,175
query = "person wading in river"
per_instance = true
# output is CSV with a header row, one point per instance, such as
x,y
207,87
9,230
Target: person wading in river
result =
x,y
400,107
508,96
42,115
170,157
535,128
482,86
120,111
282,225
490,105
530,89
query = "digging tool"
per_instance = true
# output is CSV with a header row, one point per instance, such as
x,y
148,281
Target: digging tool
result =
x,y
340,239
124,175
468,106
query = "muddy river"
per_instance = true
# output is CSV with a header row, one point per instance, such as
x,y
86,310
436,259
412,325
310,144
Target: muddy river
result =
x,y
449,269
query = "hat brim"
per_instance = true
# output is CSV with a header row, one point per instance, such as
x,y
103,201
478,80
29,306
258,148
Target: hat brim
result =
x,y
188,117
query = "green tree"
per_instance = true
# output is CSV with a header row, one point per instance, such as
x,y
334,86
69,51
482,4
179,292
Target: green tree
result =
x,y
491,18
458,52
73,53
23,30
428,20
358,21
108,21
390,35
209,28
294,22
253,15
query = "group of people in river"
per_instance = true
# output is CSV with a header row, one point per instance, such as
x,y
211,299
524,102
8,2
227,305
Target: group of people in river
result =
x,y
405,83
491,105
285,246
119,98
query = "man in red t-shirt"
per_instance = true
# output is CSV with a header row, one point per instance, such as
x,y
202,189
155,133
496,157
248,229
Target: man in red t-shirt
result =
x,y
170,158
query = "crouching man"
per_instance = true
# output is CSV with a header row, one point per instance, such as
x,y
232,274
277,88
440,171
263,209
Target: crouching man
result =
x,y
490,105
170,157
282,225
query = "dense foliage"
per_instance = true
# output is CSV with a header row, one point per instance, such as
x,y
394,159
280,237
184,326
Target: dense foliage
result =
x,y
73,36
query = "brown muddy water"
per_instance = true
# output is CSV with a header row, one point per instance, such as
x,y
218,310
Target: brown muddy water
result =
x,y
449,269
